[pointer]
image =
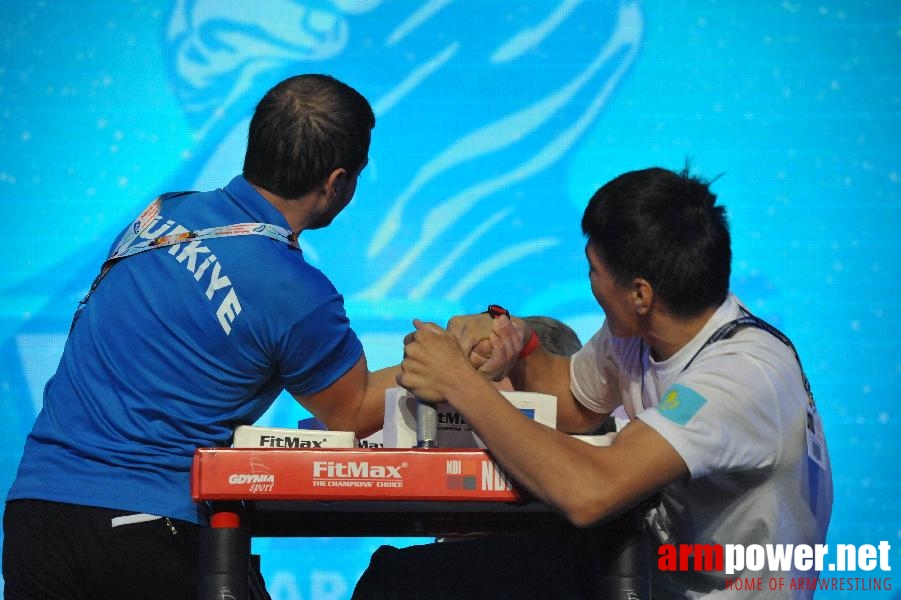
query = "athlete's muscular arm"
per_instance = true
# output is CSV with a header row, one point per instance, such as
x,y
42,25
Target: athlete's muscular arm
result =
x,y
544,372
585,482
355,402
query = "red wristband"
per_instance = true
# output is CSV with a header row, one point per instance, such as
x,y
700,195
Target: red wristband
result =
x,y
530,346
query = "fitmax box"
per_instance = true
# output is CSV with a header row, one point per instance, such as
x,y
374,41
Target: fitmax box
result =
x,y
453,431
372,441
249,436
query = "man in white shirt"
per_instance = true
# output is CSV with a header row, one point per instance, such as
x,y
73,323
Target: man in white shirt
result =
x,y
723,424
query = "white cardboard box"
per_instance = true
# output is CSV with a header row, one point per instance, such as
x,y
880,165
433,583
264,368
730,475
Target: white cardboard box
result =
x,y
371,441
249,436
453,431
376,440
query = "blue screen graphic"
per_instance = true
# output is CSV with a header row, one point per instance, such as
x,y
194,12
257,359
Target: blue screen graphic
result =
x,y
496,121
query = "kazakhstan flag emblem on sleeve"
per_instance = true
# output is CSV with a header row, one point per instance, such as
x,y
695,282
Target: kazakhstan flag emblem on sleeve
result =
x,y
680,403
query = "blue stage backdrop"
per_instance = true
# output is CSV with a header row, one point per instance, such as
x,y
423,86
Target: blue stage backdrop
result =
x,y
497,119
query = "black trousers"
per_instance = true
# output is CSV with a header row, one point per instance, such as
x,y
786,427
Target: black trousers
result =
x,y
571,565
496,567
55,551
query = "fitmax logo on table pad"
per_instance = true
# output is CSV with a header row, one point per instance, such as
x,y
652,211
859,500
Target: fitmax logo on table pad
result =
x,y
361,474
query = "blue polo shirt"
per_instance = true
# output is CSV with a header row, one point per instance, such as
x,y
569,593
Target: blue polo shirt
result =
x,y
175,348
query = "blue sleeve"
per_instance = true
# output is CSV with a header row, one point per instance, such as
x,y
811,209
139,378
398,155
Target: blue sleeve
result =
x,y
318,349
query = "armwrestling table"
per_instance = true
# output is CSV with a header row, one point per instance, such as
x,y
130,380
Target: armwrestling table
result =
x,y
271,492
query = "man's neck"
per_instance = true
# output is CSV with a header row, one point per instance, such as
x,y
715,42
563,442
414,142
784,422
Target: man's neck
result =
x,y
667,334
296,212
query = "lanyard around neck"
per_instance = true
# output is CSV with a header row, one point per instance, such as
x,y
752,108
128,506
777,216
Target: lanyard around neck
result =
x,y
126,246
727,331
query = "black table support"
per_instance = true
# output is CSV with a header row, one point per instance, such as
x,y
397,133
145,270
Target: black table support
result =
x,y
616,560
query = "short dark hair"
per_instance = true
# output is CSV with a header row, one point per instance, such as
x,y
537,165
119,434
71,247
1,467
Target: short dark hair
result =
x,y
665,227
555,336
303,129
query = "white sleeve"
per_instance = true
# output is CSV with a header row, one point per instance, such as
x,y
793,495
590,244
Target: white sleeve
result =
x,y
722,415
596,371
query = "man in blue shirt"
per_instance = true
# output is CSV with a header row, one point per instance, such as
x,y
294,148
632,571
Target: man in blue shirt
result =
x,y
180,343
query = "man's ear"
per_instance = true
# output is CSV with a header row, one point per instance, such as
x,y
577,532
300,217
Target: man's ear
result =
x,y
642,295
335,182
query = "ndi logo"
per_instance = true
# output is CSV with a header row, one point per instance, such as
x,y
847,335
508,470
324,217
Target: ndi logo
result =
x,y
493,478
467,474
462,474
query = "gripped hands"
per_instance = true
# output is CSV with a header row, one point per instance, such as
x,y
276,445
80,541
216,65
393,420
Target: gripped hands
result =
x,y
433,362
491,344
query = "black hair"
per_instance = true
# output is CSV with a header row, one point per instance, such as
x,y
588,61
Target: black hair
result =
x,y
303,129
665,227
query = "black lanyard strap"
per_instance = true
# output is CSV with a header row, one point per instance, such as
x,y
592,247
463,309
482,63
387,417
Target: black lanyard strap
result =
x,y
748,320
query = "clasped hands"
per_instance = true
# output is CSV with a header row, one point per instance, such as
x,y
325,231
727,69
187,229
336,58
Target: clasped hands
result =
x,y
436,360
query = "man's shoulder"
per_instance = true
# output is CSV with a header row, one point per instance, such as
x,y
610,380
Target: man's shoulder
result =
x,y
281,273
